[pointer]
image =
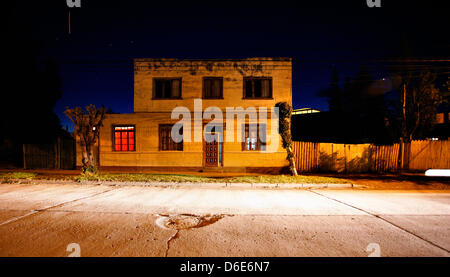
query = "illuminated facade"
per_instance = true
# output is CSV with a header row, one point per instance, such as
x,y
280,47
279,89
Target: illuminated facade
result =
x,y
143,139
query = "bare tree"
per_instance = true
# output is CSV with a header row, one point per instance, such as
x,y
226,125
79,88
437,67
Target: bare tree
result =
x,y
87,126
420,100
285,111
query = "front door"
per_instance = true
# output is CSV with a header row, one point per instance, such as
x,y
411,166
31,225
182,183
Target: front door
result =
x,y
211,150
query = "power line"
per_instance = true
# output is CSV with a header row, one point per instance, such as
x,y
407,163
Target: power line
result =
x,y
294,60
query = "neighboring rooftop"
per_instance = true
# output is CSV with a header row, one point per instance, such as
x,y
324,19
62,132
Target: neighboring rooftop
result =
x,y
305,111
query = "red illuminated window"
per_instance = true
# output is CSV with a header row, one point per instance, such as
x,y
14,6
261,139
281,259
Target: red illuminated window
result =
x,y
124,138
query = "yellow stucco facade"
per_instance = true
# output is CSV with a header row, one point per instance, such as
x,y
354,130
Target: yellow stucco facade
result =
x,y
150,112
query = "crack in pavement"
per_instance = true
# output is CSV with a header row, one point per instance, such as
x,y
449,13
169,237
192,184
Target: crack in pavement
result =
x,y
383,219
35,211
180,222
173,237
18,217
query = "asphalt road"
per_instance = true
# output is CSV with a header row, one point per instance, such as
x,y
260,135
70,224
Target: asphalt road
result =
x,y
56,219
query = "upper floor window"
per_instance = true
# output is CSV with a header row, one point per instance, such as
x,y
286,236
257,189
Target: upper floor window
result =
x,y
254,137
166,88
166,142
257,87
124,138
212,87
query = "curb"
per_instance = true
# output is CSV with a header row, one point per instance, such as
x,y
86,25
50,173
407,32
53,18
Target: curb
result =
x,y
222,185
192,184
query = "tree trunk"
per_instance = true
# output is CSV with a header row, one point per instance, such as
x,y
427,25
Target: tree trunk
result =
x,y
85,157
92,161
292,166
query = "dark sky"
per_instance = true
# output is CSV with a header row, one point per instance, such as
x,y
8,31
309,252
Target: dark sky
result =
x,y
95,60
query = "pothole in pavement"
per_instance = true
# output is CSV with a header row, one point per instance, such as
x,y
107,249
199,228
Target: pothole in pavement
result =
x,y
186,221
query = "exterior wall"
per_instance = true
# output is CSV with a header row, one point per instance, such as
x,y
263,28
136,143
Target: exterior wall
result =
x,y
147,152
147,143
192,72
149,113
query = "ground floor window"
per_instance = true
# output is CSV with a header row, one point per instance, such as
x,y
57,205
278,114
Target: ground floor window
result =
x,y
166,143
124,138
254,137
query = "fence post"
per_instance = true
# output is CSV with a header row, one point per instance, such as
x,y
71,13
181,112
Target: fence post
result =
x,y
59,144
401,154
407,155
57,153
24,149
404,155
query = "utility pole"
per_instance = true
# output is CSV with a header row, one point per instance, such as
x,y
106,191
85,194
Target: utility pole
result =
x,y
69,23
72,4
404,129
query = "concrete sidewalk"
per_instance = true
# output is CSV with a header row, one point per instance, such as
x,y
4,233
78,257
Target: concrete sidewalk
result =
x,y
42,220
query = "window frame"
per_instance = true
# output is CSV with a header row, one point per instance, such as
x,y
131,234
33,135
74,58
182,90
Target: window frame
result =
x,y
160,126
114,137
259,143
166,79
204,87
244,89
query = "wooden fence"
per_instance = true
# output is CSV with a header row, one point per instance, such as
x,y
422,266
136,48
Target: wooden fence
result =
x,y
422,155
58,155
306,156
427,154
383,158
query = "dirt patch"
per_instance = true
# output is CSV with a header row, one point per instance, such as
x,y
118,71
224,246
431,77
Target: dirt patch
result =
x,y
186,221
389,184
180,222
391,181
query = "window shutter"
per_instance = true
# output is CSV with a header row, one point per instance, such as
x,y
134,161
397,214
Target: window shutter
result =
x,y
207,85
265,88
176,92
216,88
262,137
248,88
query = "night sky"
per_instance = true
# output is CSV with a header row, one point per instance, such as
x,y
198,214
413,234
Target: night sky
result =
x,y
95,60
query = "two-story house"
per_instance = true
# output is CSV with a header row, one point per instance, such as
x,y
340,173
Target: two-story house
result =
x,y
234,87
